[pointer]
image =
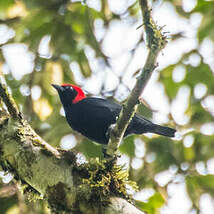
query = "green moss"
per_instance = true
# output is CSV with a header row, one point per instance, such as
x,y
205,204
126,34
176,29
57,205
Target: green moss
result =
x,y
68,156
58,199
4,117
30,193
9,102
105,179
156,38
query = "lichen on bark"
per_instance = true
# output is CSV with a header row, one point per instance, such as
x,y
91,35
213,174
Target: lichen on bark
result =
x,y
45,172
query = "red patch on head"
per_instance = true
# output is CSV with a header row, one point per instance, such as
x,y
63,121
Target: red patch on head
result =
x,y
80,93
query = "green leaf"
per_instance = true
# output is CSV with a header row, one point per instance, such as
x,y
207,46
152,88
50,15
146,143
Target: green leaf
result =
x,y
189,154
196,185
203,145
128,146
144,111
7,203
156,200
206,27
198,115
204,6
166,151
194,75
33,27
171,87
90,149
207,183
5,4
193,189
154,203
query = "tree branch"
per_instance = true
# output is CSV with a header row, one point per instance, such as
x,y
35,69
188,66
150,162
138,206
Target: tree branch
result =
x,y
9,102
51,173
156,41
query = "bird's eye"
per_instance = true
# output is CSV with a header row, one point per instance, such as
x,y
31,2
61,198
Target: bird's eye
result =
x,y
68,87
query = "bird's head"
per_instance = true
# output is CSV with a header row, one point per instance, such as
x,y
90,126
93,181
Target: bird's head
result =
x,y
69,94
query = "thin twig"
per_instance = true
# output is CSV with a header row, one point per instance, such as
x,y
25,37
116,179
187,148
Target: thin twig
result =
x,y
9,102
156,41
9,20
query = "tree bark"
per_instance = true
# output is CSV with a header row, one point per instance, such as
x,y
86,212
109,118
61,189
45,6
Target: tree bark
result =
x,y
54,174
156,41
49,173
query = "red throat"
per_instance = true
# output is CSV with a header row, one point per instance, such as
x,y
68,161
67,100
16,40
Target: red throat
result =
x,y
80,93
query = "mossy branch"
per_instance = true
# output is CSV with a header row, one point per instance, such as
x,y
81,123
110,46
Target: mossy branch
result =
x,y
54,174
156,41
9,102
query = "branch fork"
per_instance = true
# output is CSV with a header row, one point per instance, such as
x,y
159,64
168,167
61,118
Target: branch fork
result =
x,y
156,41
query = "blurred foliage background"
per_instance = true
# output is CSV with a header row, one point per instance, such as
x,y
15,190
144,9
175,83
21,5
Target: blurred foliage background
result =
x,y
62,41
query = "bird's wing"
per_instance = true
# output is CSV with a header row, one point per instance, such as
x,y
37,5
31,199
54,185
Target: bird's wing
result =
x,y
92,117
101,103
101,106
105,108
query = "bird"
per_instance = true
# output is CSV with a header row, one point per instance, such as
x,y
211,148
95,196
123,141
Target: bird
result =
x,y
92,116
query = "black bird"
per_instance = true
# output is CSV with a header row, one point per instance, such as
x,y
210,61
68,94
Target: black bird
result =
x,y
92,116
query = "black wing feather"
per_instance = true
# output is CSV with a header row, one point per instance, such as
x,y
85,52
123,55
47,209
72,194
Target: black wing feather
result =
x,y
92,117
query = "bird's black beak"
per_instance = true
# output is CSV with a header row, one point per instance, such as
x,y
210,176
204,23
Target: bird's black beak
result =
x,y
57,87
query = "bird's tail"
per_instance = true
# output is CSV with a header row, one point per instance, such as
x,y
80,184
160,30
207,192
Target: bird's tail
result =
x,y
163,130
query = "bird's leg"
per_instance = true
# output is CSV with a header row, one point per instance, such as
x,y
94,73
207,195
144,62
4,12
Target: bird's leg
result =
x,y
110,161
104,150
110,128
